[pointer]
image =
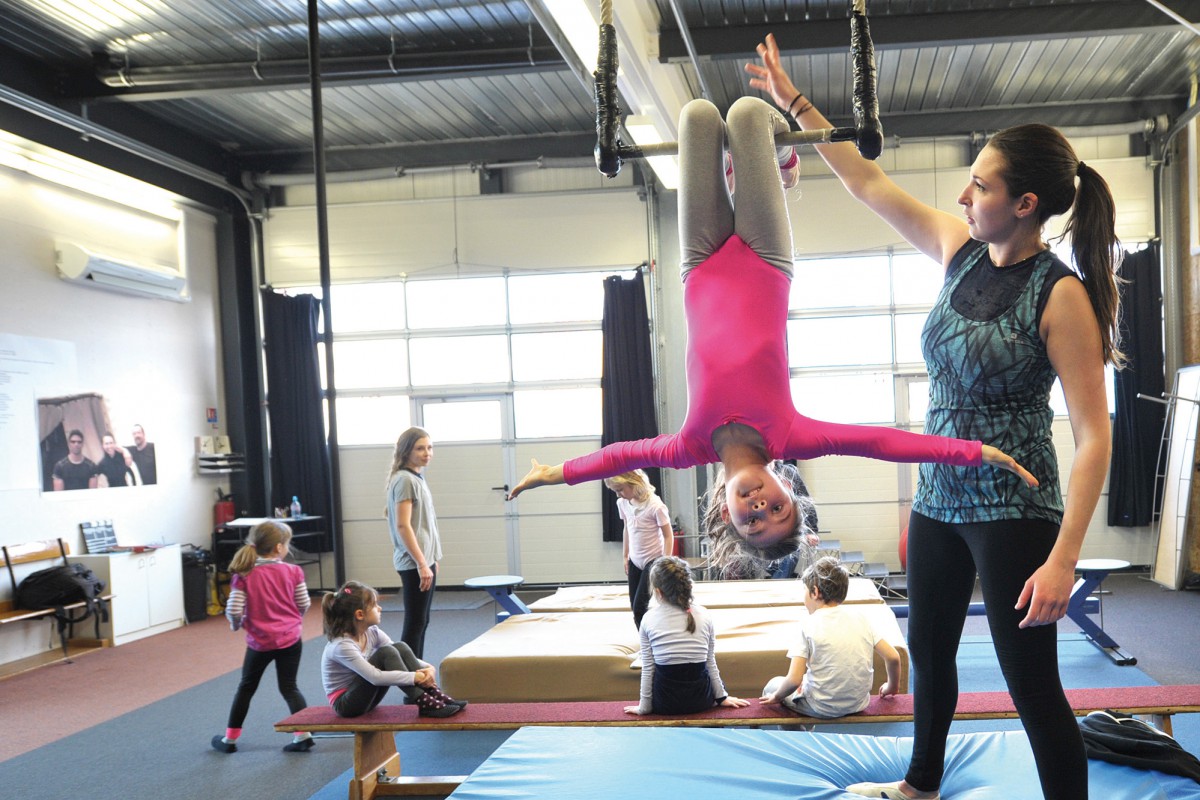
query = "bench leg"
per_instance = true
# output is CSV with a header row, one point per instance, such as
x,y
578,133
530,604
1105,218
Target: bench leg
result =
x,y
377,771
373,751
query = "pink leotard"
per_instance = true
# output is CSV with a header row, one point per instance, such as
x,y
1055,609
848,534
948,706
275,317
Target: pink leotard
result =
x,y
737,371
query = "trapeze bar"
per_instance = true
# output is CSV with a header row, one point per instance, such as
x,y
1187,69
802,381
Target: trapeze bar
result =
x,y
815,136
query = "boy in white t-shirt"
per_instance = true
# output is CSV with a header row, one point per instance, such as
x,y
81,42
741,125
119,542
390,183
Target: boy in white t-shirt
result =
x,y
832,663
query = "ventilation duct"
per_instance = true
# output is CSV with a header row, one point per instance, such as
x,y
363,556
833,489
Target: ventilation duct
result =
x,y
77,265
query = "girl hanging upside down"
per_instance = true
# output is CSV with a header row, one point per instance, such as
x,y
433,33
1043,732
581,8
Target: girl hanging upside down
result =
x,y
737,271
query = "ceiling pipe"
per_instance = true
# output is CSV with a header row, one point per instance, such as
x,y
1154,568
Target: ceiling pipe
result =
x,y
262,74
91,130
268,180
686,33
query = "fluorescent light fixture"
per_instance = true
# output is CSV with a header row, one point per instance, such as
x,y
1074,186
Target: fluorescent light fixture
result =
x,y
644,130
575,20
85,177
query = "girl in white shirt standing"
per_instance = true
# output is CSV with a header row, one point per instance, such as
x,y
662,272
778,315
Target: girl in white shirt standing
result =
x,y
679,663
647,536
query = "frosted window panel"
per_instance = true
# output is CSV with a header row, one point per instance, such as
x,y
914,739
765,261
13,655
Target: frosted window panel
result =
x,y
557,412
454,360
456,303
372,420
468,421
846,398
908,338
839,341
916,278
557,356
918,400
840,283
556,298
370,364
367,307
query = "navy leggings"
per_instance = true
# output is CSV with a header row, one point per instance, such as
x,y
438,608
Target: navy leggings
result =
x,y
287,664
942,562
417,605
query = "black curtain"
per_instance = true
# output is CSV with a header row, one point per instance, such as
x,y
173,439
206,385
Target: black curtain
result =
x,y
296,420
1137,424
627,381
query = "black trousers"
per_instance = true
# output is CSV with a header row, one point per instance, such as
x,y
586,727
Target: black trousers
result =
x,y
942,563
417,605
287,664
639,590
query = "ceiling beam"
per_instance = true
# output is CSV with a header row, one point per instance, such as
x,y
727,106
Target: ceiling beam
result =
x,y
943,29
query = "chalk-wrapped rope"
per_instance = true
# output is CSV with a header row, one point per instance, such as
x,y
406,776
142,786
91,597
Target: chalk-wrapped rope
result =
x,y
867,133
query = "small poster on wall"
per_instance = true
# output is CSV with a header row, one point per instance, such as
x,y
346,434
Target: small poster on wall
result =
x,y
81,449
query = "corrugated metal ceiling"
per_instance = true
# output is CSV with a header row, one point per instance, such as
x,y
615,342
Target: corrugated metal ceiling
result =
x,y
421,82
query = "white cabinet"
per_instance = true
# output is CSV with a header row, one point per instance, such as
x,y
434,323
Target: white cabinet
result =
x,y
147,589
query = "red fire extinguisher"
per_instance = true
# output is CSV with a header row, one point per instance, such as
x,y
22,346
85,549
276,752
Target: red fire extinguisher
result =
x,y
223,511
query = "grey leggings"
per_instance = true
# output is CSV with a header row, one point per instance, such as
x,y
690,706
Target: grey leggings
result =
x,y
708,215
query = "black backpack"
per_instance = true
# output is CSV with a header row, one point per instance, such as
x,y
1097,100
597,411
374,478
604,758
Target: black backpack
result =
x,y
61,586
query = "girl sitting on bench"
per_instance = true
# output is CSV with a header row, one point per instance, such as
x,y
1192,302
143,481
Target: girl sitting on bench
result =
x,y
361,662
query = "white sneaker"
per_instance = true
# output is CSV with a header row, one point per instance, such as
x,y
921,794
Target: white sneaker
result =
x,y
887,791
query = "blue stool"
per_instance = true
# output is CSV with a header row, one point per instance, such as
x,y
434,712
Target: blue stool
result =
x,y
500,587
1092,573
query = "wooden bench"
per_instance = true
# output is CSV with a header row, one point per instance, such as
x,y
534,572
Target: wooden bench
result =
x,y
30,552
377,762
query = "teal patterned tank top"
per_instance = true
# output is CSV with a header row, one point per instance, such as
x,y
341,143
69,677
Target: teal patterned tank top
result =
x,y
990,380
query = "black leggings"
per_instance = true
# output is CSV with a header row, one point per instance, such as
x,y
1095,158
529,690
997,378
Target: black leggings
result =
x,y
942,562
287,664
639,590
417,605
362,696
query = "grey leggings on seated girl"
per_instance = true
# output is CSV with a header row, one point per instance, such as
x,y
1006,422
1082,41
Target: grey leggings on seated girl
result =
x,y
362,696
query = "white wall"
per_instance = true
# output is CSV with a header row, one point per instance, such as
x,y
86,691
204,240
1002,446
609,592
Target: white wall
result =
x,y
156,362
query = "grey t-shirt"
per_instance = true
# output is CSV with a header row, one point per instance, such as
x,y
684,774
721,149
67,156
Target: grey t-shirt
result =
x,y
406,485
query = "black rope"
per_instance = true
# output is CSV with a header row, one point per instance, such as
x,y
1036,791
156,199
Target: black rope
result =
x,y
866,100
608,109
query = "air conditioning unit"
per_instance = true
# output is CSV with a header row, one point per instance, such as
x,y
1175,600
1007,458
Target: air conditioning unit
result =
x,y
79,265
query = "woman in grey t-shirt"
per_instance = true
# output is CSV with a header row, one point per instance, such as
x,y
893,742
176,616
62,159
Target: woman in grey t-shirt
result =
x,y
417,547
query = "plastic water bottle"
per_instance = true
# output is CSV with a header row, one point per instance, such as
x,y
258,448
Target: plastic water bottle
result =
x,y
296,507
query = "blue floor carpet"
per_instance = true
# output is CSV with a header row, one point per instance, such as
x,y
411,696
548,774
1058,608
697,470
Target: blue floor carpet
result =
x,y
1082,666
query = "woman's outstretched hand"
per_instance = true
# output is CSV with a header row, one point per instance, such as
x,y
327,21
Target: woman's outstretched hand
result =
x,y
998,458
538,475
769,76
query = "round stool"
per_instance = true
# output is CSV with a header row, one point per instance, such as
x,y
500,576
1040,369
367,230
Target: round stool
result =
x,y
500,587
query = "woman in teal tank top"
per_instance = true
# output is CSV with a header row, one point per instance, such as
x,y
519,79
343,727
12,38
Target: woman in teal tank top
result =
x,y
1009,319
